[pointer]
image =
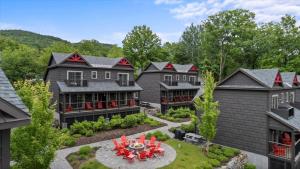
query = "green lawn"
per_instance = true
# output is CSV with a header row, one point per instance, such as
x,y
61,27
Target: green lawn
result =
x,y
92,164
188,156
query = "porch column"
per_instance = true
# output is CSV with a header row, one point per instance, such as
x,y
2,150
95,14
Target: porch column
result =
x,y
64,103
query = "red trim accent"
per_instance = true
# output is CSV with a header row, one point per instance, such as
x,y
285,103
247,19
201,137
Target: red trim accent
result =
x,y
75,58
278,79
124,61
295,81
194,68
169,66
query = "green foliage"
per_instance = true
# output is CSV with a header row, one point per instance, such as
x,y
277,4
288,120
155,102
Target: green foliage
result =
x,y
214,162
93,164
176,115
152,122
209,107
66,140
33,146
115,52
229,152
129,121
141,45
116,121
159,135
81,127
249,166
85,150
100,124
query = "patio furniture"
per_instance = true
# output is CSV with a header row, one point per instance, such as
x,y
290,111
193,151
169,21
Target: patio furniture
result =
x,y
142,155
152,142
124,141
128,155
142,139
278,150
88,106
114,104
193,138
131,103
117,145
69,108
99,105
159,150
150,153
286,139
120,152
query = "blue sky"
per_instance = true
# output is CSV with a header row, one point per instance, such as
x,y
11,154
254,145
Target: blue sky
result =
x,y
109,20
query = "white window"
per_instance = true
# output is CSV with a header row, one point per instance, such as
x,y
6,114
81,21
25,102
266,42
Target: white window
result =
x,y
168,78
192,78
287,97
94,75
274,102
74,75
184,77
177,77
123,79
292,97
107,75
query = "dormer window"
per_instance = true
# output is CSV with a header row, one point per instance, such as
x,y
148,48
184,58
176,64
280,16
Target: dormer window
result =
x,y
295,81
274,102
94,75
107,75
184,77
278,80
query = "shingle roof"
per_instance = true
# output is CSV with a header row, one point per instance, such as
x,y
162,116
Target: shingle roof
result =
x,y
265,76
182,68
288,78
181,85
8,93
160,65
94,61
104,86
292,122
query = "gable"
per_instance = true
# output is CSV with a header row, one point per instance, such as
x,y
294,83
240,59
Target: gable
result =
x,y
169,67
151,67
75,58
123,62
240,79
278,80
193,69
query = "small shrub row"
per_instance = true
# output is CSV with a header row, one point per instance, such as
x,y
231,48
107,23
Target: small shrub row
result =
x,y
175,115
159,136
249,166
218,154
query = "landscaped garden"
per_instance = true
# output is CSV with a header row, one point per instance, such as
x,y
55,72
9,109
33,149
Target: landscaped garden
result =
x,y
86,132
176,115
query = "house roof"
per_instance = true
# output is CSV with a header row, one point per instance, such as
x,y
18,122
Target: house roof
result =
x,y
94,61
288,78
177,67
12,108
181,85
291,122
104,86
265,76
160,65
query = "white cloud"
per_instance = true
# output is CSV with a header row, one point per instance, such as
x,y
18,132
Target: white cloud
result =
x,y
265,10
158,2
4,26
169,36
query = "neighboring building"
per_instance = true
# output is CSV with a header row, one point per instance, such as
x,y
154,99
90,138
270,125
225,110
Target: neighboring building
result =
x,y
86,87
259,114
169,85
13,113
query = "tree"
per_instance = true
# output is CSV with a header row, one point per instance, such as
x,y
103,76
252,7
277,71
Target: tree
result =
x,y
141,46
207,105
34,146
115,52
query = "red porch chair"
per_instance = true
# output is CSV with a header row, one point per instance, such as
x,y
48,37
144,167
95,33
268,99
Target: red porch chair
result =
x,y
286,139
99,105
152,142
117,145
88,106
124,141
120,152
150,153
159,150
142,155
131,103
142,139
164,100
128,155
114,104
278,150
69,108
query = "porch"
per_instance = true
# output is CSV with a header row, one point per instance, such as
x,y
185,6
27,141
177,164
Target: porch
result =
x,y
174,97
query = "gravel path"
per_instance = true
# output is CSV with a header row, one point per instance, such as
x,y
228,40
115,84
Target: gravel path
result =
x,y
60,161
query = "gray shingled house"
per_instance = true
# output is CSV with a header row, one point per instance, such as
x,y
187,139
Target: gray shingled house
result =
x,y
260,113
169,85
13,113
86,87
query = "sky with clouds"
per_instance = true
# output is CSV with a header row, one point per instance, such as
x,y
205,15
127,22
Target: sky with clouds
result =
x,y
108,21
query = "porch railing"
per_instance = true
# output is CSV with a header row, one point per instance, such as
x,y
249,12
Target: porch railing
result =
x,y
76,83
195,83
280,150
125,83
97,105
176,99
170,83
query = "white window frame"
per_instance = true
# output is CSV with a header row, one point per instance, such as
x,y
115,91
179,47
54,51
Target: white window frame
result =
x,y
184,77
192,77
168,76
287,98
107,72
275,97
120,73
292,97
177,77
69,71
282,99
94,73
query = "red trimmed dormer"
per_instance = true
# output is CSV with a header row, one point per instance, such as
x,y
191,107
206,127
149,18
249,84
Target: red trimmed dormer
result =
x,y
278,80
124,62
194,68
295,81
76,58
169,66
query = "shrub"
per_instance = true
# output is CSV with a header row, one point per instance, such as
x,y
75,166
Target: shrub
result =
x,y
116,121
89,133
216,150
172,129
188,128
206,165
99,124
159,136
151,122
76,135
81,128
228,152
93,164
214,162
72,158
249,166
140,118
67,140
129,121
85,150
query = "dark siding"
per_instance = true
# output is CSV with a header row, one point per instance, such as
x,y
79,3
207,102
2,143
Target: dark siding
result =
x,y
241,79
274,124
297,95
243,121
5,152
151,87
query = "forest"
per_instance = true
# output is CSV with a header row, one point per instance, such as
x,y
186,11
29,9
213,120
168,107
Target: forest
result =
x,y
222,43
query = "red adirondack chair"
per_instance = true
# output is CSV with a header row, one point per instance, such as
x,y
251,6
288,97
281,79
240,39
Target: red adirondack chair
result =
x,y
128,155
278,150
120,152
286,139
152,142
142,155
142,139
88,106
150,153
124,141
159,150
114,104
69,108
117,145
99,105
131,103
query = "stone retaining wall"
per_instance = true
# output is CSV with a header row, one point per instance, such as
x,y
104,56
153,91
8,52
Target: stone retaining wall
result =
x,y
237,162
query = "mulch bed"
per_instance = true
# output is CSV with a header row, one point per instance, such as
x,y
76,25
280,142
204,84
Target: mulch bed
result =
x,y
115,133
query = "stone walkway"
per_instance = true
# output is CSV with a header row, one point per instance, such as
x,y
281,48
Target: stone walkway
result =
x,y
60,161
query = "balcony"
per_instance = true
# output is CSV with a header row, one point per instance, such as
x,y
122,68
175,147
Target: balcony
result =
x,y
195,83
171,83
280,150
125,83
176,99
76,83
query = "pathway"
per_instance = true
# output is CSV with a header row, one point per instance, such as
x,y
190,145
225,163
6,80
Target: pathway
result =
x,y
60,161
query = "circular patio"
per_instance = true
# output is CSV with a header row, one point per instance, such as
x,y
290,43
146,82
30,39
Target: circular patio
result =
x,y
107,157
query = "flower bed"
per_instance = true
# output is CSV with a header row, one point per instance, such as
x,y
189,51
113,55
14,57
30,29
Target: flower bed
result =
x,y
176,115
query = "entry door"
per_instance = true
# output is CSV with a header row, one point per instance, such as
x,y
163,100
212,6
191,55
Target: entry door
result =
x,y
123,78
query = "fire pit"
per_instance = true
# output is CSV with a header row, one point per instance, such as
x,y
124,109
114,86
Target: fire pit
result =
x,y
137,146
